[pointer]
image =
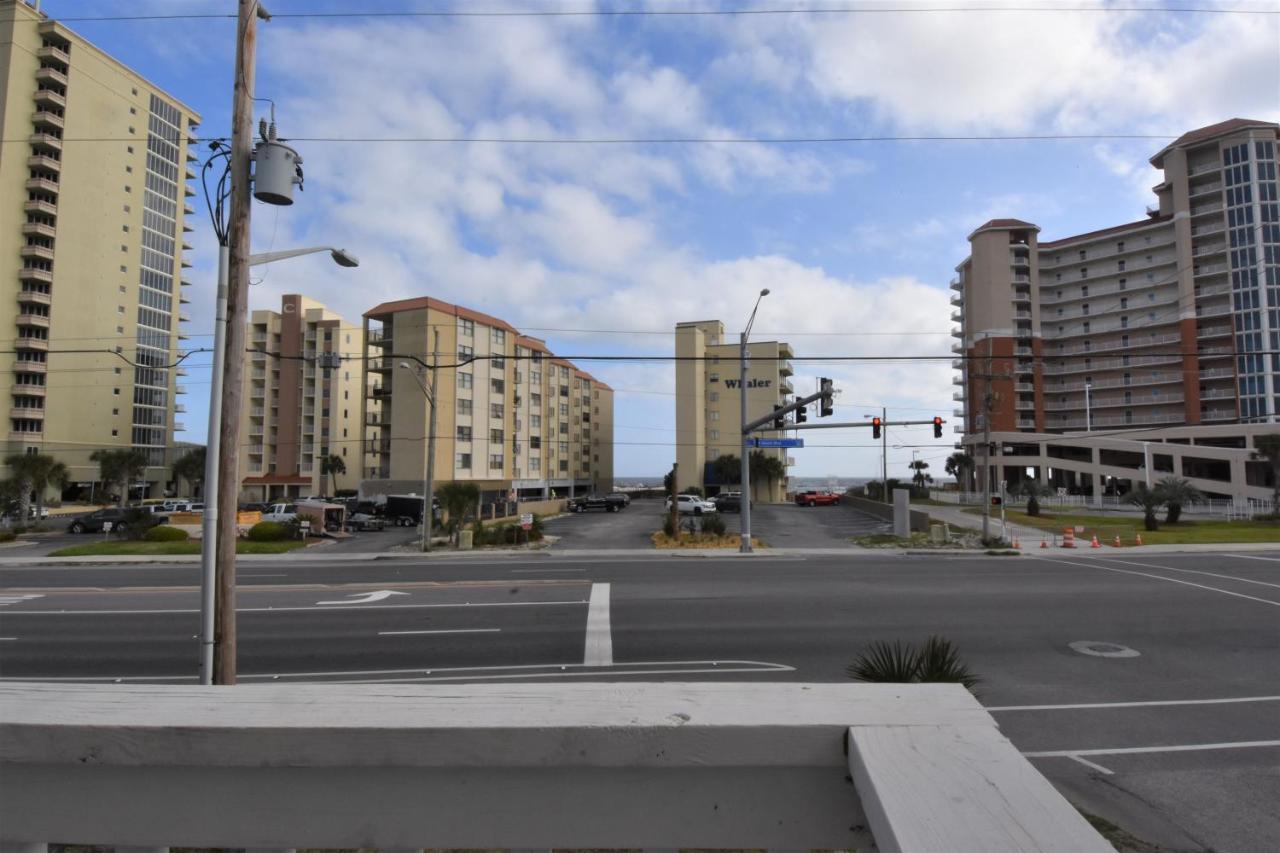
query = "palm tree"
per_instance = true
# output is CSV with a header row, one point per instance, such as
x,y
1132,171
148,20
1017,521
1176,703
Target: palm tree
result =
x,y
1033,491
727,469
190,467
1150,500
457,498
919,477
958,465
35,472
1176,492
331,466
120,467
763,465
1267,448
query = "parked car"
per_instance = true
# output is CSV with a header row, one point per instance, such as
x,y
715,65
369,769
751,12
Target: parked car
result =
x,y
280,513
176,505
95,521
817,498
364,521
621,498
729,502
692,505
594,502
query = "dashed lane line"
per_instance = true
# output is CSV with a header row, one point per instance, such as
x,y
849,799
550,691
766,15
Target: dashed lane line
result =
x,y
1159,703
1191,572
1093,565
441,631
12,613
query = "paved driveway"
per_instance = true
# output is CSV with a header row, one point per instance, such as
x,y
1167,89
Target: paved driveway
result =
x,y
791,526
629,528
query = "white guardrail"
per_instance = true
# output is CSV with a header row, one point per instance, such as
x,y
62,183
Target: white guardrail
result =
x,y
656,765
1242,508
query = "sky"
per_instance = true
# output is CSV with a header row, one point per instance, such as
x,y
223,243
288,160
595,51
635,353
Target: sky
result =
x,y
601,248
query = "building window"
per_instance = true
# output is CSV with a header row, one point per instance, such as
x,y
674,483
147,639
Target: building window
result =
x,y
499,338
1120,246
1119,266
713,435
464,407
535,377
1124,302
498,363
464,433
535,421
564,428
497,386
1124,321
495,436
1122,283
465,352
535,400
496,410
535,463
535,442
1084,272
564,390
464,461
564,410
713,397
464,381
713,377
467,329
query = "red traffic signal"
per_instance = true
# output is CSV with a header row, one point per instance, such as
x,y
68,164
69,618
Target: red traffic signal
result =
x,y
937,427
875,427
996,500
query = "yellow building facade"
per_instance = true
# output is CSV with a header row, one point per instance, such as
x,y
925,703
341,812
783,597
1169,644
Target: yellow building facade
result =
x,y
95,209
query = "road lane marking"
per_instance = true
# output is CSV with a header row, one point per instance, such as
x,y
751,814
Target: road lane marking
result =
x,y
534,571
366,597
6,600
7,639
599,645
442,631
1091,765
1251,557
1191,572
1156,577
311,609
490,672
1151,750
1152,704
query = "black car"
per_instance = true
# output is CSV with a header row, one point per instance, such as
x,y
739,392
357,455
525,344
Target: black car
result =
x,y
729,502
120,520
594,502
622,499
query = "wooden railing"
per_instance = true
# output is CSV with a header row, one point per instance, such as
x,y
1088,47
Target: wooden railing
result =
x,y
652,765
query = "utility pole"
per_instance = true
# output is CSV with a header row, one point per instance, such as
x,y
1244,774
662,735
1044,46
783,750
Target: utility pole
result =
x,y
224,653
988,402
429,487
884,454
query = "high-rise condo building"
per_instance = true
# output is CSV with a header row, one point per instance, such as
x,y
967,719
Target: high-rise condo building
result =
x,y
1148,348
708,407
93,184
301,418
510,415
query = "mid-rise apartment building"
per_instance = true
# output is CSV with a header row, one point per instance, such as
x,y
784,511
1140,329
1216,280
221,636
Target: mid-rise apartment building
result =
x,y
298,412
511,417
1152,331
93,185
708,404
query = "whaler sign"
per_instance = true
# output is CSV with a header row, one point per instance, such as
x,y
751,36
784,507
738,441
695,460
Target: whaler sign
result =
x,y
751,383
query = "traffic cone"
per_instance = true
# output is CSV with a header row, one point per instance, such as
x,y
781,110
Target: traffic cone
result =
x,y
1117,540
1044,543
1016,543
1095,543
1139,537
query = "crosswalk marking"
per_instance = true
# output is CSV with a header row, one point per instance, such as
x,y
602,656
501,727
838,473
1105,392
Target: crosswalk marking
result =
x,y
6,600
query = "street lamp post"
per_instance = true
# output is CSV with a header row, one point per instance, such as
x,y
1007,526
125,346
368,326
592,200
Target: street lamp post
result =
x,y
209,521
428,467
745,505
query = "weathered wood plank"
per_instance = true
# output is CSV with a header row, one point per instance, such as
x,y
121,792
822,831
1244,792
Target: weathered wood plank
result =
x,y
962,789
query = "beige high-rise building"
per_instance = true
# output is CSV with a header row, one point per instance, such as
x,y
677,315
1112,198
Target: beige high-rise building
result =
x,y
708,404
95,206
1143,347
510,416
298,413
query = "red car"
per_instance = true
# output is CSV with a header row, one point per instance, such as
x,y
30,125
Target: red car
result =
x,y
816,498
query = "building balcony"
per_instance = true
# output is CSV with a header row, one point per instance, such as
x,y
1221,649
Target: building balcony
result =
x,y
254,449
1218,373
1026,423
1218,394
1218,415
33,297
30,367
1021,296
1213,332
957,380
1207,209
1022,351
1022,314
957,332
958,363
1120,421
53,53
38,321
51,77
39,229
956,284
37,344
958,349
1106,346
28,435
1097,402
44,208
1021,278
957,413
1213,310
41,253
1206,249
1198,190
25,413
44,185
1208,228
45,97
1212,290
1203,169
785,351
1078,366
28,390
1024,387
49,120
1025,404
957,316
1203,270
957,300
785,367
958,396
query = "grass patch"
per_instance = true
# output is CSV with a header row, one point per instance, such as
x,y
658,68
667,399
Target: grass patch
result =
x,y
1119,838
915,540
1107,527
702,541
168,549
993,552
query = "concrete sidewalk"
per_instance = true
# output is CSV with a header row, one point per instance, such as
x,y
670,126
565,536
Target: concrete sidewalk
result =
x,y
1028,537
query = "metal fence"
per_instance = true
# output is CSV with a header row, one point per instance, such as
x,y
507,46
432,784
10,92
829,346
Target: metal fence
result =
x,y
1242,508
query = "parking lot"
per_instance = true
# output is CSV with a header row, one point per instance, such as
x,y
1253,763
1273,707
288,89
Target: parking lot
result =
x,y
777,525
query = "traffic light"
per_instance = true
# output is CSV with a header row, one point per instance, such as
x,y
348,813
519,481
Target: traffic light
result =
x,y
801,417
996,500
779,421
937,427
875,427
827,405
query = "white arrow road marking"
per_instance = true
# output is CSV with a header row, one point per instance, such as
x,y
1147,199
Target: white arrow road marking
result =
x,y
599,650
366,597
6,600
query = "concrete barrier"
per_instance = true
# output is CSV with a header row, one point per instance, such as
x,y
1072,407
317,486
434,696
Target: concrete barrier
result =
x,y
919,518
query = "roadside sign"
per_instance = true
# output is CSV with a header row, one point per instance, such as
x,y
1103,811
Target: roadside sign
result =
x,y
776,442
526,520
107,525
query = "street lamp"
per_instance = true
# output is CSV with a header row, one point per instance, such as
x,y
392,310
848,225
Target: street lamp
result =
x,y
745,512
209,521
428,466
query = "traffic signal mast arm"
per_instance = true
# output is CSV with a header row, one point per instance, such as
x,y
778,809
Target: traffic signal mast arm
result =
x,y
782,411
857,424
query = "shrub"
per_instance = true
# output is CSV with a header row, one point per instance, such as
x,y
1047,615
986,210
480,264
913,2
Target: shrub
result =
x,y
164,533
267,531
898,663
137,522
713,524
8,536
346,493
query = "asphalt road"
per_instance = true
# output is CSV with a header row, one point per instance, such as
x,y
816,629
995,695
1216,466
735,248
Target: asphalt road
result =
x,y
778,525
1194,640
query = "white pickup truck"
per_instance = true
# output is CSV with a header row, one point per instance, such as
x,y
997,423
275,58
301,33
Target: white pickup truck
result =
x,y
280,513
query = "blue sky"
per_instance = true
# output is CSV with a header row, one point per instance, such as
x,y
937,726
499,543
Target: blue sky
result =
x,y
600,249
